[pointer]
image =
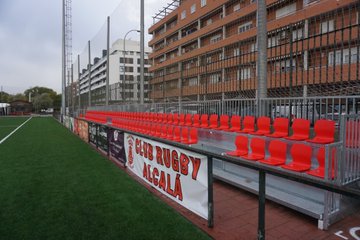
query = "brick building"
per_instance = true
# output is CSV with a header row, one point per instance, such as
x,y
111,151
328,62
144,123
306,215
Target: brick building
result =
x,y
206,49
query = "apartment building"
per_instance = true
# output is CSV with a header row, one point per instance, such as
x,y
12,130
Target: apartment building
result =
x,y
207,49
124,75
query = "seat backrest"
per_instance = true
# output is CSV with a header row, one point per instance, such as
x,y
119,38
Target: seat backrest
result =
x,y
177,133
165,118
258,146
176,118
320,156
196,119
170,131
263,123
301,154
277,150
188,119
182,119
163,131
224,120
214,120
241,143
235,121
193,135
301,127
324,128
184,133
249,122
281,125
170,118
204,120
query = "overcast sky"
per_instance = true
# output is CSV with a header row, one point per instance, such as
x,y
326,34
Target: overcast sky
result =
x,y
30,36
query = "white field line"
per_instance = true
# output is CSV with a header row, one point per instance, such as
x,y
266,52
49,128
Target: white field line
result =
x,y
3,140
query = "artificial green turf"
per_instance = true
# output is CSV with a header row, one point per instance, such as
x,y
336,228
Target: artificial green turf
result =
x,y
54,186
8,124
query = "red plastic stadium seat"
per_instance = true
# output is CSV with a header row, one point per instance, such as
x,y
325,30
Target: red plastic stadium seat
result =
x,y
196,120
158,130
301,128
185,135
281,128
170,133
193,136
235,123
170,119
159,117
277,150
163,131
301,158
176,119
249,124
188,121
181,119
320,170
176,137
214,121
263,124
165,118
241,143
324,131
204,121
224,123
257,149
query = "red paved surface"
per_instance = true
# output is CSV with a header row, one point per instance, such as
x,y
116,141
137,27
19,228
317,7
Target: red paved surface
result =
x,y
236,217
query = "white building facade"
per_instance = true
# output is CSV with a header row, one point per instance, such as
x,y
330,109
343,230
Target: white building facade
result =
x,y
124,75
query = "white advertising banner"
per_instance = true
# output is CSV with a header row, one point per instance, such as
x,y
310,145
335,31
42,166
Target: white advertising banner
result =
x,y
179,174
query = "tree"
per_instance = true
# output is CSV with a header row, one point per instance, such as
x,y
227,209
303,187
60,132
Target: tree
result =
x,y
57,102
36,91
18,96
43,101
4,97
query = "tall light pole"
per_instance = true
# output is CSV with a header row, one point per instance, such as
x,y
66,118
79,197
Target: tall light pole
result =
x,y
123,88
142,52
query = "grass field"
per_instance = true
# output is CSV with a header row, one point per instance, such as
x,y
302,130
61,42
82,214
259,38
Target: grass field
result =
x,y
54,186
8,124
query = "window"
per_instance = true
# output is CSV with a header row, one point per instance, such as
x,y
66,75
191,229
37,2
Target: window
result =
x,y
209,21
297,34
183,14
244,27
215,38
272,41
286,10
327,26
253,47
236,52
244,73
193,81
236,7
193,8
345,56
215,78
203,3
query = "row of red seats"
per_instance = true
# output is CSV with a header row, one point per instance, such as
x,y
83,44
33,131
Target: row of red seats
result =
x,y
186,135
324,129
301,155
95,117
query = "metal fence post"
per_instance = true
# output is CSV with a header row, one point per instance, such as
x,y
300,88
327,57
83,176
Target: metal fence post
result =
x,y
261,215
262,53
210,193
